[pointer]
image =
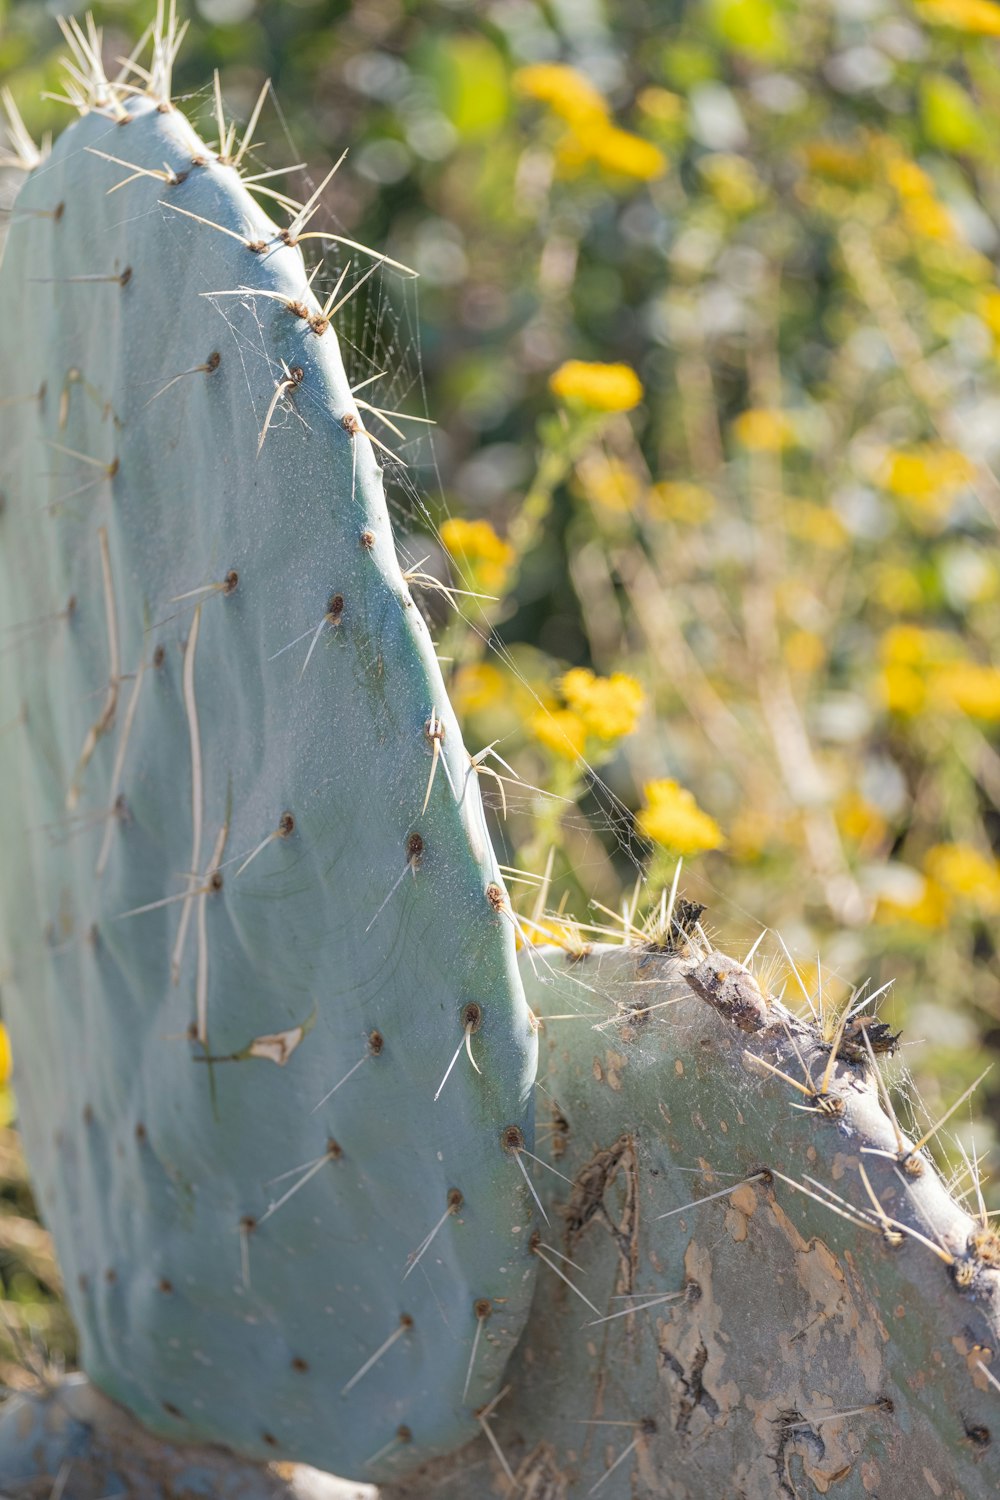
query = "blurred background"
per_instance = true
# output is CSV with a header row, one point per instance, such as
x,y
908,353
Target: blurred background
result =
x,y
708,320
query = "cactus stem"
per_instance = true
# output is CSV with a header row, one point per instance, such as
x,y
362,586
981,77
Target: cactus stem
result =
x,y
117,768
989,1374
405,1324
293,378
211,364
415,1256
226,586
891,1235
643,1307
852,1218
722,1193
197,792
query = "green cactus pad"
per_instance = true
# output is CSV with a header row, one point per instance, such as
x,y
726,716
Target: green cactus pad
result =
x,y
730,1335
236,1252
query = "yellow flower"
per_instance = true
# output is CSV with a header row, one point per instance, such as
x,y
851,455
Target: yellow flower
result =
x,y
764,431
909,180
927,478
815,523
676,500
920,901
608,481
560,730
5,1060
964,872
805,651
567,93
673,818
660,105
896,589
978,17
908,654
860,821
476,544
478,686
596,387
609,706
988,308
969,687
622,153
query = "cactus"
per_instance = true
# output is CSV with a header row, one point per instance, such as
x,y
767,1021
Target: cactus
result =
x,y
234,993
752,1283
274,1056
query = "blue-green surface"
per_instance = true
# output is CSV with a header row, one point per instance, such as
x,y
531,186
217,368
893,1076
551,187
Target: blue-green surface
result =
x,y
148,1158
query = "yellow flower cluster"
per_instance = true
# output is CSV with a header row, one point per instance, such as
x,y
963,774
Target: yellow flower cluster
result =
x,y
955,877
922,213
922,669
477,686
927,478
475,544
978,17
764,431
595,712
673,818
5,1059
592,136
596,387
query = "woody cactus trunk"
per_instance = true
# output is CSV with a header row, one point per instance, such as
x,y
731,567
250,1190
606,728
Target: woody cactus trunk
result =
x,y
275,1061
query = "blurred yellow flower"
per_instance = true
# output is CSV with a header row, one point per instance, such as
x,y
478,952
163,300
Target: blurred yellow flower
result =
x,y
978,17
897,589
969,687
927,478
477,686
606,480
908,653
560,730
477,545
566,92
5,1058
622,153
815,523
660,104
927,906
673,818
909,180
677,500
764,431
860,821
804,651
596,387
988,308
609,706
965,872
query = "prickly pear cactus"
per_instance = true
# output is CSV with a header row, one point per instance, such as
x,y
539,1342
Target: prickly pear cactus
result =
x,y
751,1284
246,932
